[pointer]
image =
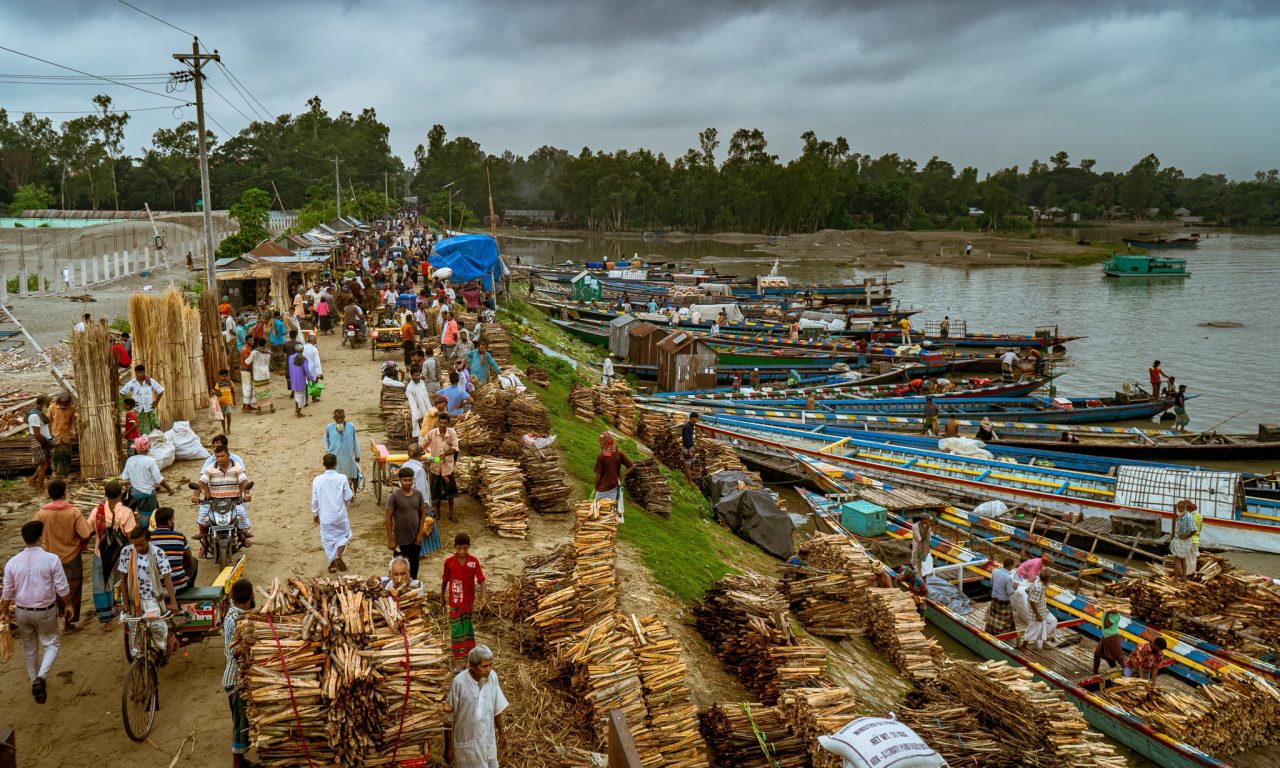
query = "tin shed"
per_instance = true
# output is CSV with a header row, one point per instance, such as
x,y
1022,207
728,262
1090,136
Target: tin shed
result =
x,y
642,345
685,362
619,339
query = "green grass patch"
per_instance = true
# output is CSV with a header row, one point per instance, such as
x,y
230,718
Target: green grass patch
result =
x,y
686,552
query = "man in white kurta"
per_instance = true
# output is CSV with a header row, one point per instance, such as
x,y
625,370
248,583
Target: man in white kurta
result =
x,y
419,399
477,703
311,353
330,493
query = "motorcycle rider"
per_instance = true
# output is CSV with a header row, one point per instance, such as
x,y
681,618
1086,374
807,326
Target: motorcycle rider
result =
x,y
353,314
224,479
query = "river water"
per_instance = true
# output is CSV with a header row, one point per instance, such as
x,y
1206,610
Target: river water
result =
x,y
1235,372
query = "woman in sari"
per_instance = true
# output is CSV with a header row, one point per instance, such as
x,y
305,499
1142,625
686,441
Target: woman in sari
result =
x,y
110,515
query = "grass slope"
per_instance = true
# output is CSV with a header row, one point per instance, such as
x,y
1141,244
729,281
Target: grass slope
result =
x,y
686,552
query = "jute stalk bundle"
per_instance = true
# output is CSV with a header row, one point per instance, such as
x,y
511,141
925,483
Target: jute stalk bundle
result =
x,y
213,347
1027,714
341,672
200,380
96,422
160,342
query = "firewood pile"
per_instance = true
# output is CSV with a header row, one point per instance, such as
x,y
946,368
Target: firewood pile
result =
x,y
541,575
650,487
746,619
500,485
538,376
955,734
394,409
590,591
823,600
507,415
499,342
814,712
474,437
752,736
624,408
1221,719
662,433
1027,715
582,401
897,629
544,479
602,400
673,717
840,554
604,674
464,472
326,666
1224,604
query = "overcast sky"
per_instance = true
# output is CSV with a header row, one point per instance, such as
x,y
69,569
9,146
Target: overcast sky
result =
x,y
988,83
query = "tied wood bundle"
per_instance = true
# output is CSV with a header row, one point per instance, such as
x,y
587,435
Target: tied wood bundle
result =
x,y
673,717
661,432
160,342
1220,719
394,409
213,347
500,486
624,410
840,554
897,629
814,712
544,479
591,589
650,487
464,471
96,391
200,382
474,438
538,376
955,734
1027,715
745,618
602,400
604,674
499,342
1224,604
752,736
356,672
823,601
582,402
542,575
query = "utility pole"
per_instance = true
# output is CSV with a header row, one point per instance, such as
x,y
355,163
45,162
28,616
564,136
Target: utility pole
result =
x,y
197,60
385,195
337,187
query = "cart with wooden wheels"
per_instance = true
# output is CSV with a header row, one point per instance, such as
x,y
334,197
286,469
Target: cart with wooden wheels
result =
x,y
386,466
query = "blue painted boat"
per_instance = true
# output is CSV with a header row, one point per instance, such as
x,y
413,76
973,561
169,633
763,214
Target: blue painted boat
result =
x,y
861,388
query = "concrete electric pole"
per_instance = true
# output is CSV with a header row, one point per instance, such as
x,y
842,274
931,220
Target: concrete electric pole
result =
x,y
196,61
337,187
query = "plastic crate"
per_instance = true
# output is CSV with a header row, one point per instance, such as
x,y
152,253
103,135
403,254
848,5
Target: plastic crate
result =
x,y
863,518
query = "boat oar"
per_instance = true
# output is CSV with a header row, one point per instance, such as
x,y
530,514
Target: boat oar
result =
x,y
1220,423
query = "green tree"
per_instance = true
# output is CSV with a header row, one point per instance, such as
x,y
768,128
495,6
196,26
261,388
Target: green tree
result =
x,y
32,197
251,212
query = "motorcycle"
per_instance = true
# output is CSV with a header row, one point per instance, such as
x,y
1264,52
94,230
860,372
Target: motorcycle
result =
x,y
223,538
352,335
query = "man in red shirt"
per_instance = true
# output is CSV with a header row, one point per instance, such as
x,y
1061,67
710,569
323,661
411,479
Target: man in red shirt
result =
x,y
461,584
121,355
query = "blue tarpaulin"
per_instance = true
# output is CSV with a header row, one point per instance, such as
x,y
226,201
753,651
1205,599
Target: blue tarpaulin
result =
x,y
471,257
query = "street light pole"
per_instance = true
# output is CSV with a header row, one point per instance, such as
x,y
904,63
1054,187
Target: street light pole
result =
x,y
446,188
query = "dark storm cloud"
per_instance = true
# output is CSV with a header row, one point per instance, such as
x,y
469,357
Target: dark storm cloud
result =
x,y
982,82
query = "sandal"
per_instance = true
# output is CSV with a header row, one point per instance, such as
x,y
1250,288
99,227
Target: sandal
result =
x,y
333,567
342,566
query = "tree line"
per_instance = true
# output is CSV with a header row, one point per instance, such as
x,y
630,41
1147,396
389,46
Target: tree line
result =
x,y
738,186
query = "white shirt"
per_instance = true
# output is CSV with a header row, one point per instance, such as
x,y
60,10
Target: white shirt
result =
x,y
330,492
142,473
474,705
1009,358
143,393
36,424
311,353
420,483
229,328
260,361
79,328
34,578
419,399
608,366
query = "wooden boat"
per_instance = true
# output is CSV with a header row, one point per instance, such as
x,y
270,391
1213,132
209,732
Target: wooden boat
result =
x,y
975,362
1230,518
1077,410
1003,340
1147,241
1067,666
592,334
1182,446
725,373
849,388
1132,265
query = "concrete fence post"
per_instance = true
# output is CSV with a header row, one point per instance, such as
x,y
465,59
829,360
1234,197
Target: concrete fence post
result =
x,y
4,287
84,274
128,266
117,266
22,280
40,273
93,260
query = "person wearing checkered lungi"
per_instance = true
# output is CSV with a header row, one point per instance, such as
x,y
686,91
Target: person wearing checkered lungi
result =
x,y
1000,611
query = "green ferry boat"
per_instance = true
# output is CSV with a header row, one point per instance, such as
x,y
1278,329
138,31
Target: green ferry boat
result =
x,y
1134,265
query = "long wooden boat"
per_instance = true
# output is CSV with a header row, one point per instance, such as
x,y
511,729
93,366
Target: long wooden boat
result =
x,y
592,334
1067,667
725,373
1190,241
977,362
1183,446
1038,409
1230,518
1004,340
848,389
880,314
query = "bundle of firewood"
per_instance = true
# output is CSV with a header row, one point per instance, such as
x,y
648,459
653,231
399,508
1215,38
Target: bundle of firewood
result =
x,y
500,486
464,472
822,600
541,575
474,438
673,717
538,376
508,415
745,618
544,479
499,342
602,400
814,712
898,630
662,433
842,555
1028,715
752,736
394,409
604,674
956,735
582,401
1223,604
590,590
525,413
624,411
649,487
1221,718
330,662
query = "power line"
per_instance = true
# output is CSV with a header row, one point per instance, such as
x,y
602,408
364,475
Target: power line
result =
x,y
157,18
89,74
94,112
235,79
228,134
257,112
143,76
209,85
8,81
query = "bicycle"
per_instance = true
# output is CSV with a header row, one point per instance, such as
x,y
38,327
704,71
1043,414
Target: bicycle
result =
x,y
140,696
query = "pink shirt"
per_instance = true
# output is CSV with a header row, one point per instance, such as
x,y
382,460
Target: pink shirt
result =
x,y
34,578
1030,570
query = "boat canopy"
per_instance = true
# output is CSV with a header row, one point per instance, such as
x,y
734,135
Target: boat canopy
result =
x,y
709,312
1215,493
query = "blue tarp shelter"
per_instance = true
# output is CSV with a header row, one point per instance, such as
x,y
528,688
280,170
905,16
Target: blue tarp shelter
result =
x,y
471,257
